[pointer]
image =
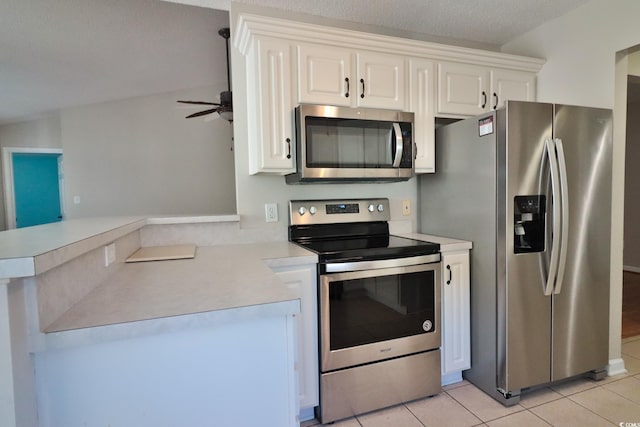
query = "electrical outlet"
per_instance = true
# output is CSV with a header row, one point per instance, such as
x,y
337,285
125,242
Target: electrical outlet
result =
x,y
406,207
271,212
109,254
76,200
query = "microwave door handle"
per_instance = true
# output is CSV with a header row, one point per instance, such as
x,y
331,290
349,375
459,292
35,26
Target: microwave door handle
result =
x,y
398,153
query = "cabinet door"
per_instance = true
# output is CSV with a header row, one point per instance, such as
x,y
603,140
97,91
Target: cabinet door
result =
x,y
421,98
324,76
456,352
303,279
381,81
462,89
270,148
513,85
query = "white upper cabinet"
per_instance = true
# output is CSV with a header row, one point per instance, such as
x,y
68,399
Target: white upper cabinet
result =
x,y
467,90
421,100
270,125
284,63
511,85
381,81
342,77
462,89
324,76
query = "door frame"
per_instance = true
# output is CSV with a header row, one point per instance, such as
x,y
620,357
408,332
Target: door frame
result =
x,y
9,188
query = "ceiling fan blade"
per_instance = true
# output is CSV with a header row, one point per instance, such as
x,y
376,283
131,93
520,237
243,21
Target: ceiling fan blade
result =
x,y
199,102
202,113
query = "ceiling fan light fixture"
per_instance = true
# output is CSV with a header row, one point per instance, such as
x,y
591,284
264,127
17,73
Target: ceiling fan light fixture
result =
x,y
225,107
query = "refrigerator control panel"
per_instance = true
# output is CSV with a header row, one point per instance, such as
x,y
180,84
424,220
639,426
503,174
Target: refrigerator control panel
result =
x,y
529,224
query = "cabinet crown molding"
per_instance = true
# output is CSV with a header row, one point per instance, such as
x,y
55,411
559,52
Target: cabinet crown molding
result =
x,y
250,25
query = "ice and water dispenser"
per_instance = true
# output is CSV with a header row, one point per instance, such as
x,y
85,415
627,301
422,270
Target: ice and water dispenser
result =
x,y
529,224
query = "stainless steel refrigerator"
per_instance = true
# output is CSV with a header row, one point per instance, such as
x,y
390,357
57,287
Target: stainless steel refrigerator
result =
x,y
530,186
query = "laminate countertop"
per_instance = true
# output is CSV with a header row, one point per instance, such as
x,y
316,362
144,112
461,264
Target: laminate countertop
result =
x,y
218,278
29,251
446,244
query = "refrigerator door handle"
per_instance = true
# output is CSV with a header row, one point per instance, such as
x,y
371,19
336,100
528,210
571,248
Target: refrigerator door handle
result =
x,y
550,150
564,202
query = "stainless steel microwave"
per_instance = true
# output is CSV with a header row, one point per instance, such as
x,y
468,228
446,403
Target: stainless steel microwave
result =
x,y
336,144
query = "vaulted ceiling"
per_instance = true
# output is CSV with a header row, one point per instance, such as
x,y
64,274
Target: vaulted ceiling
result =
x,y
62,53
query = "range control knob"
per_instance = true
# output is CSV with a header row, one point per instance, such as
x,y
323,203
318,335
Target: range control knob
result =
x,y
313,210
302,210
371,208
380,207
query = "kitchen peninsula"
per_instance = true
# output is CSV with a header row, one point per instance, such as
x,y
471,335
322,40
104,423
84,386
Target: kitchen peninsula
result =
x,y
167,342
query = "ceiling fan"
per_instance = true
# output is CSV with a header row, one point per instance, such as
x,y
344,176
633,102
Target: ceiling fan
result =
x,y
225,107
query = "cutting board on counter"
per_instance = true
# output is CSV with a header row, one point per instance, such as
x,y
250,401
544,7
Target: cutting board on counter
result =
x,y
162,253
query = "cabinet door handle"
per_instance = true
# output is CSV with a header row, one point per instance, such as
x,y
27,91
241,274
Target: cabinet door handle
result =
x,y
288,148
362,83
495,95
484,99
450,275
346,94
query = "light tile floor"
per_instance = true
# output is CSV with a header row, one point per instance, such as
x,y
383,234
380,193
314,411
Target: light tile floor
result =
x,y
614,401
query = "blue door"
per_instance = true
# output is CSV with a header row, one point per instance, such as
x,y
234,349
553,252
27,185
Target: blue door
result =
x,y
36,188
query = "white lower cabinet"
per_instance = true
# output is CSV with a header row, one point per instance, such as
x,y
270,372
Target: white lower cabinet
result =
x,y
303,279
456,345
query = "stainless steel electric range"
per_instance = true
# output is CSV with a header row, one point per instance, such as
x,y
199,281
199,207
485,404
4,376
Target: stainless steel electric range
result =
x,y
378,306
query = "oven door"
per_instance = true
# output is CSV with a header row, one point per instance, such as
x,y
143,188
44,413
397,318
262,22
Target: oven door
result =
x,y
377,314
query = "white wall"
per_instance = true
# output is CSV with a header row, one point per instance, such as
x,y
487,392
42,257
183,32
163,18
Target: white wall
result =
x,y
580,51
141,156
138,156
580,48
43,132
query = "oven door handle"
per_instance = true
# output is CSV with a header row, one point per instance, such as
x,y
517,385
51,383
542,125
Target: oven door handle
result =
x,y
341,267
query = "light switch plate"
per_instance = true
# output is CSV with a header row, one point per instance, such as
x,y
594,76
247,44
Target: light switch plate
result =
x,y
406,207
271,212
109,254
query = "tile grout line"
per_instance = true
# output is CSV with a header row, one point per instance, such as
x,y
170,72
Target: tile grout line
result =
x,y
589,409
414,415
476,415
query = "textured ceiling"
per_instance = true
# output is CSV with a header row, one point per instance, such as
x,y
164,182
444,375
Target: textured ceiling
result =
x,y
62,53
486,21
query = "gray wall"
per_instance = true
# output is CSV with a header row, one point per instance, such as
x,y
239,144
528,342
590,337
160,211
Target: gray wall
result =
x,y
138,156
141,156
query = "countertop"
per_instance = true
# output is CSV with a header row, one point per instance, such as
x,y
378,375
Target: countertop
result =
x,y
30,251
218,278
446,244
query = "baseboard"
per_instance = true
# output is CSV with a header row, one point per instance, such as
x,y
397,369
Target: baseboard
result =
x,y
453,377
616,367
631,268
306,414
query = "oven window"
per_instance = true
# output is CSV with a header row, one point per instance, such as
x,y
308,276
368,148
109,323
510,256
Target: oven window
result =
x,y
369,310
